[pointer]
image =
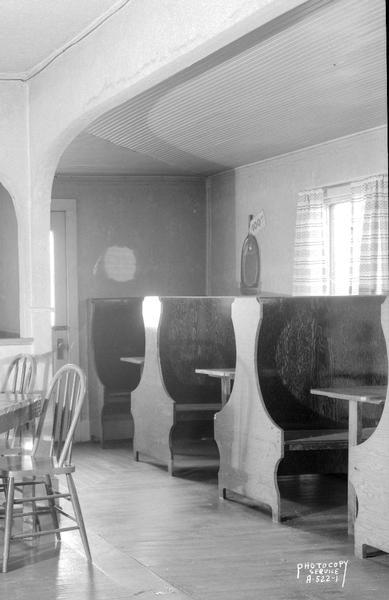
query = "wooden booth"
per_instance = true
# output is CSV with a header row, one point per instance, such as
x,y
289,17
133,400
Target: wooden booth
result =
x,y
273,424
173,407
369,474
115,330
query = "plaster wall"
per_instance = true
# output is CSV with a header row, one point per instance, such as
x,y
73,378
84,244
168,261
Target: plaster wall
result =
x,y
14,141
9,268
161,220
14,176
273,186
143,44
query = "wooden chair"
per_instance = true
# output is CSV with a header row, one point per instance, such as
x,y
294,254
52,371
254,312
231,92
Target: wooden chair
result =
x,y
65,397
19,378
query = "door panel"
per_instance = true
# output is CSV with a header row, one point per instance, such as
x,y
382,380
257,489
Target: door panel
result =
x,y
65,329
60,324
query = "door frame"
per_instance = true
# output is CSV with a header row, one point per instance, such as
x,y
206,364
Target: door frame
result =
x,y
69,207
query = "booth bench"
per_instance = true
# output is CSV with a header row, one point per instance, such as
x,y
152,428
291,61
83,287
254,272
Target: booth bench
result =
x,y
271,424
173,407
115,330
369,474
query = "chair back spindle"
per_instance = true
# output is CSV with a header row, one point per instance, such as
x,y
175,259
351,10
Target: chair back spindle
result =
x,y
66,395
20,376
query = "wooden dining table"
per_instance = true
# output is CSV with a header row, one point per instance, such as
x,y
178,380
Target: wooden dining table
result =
x,y
134,360
226,377
17,409
356,396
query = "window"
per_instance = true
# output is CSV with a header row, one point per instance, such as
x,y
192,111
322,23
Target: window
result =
x,y
341,244
345,222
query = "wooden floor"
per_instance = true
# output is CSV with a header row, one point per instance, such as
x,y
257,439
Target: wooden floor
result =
x,y
154,536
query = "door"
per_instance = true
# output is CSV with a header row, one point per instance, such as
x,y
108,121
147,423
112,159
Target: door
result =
x,y
64,293
64,287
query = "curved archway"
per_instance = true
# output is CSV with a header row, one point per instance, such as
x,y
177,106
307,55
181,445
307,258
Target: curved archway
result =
x,y
105,79
68,95
9,268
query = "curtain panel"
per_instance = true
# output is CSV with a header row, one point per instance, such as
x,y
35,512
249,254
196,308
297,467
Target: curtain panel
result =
x,y
373,255
367,255
311,258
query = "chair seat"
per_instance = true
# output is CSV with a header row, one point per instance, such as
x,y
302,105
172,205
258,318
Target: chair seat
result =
x,y
7,448
24,465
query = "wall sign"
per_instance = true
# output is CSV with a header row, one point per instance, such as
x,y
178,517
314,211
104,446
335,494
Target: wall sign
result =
x,y
257,222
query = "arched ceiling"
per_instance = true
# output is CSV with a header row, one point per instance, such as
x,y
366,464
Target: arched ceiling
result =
x,y
307,78
314,74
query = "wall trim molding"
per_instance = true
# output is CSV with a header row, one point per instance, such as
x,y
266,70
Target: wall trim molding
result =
x,y
17,341
301,150
109,178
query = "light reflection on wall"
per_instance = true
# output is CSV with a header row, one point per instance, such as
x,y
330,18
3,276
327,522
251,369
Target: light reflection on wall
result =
x,y
119,263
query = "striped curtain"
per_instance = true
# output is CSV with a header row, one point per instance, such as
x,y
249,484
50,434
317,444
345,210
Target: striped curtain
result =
x,y
373,258
311,258
356,229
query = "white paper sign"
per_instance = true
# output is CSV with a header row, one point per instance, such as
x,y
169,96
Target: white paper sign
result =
x,y
257,222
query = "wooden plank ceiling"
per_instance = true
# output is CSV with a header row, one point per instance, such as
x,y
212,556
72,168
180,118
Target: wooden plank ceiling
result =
x,y
312,76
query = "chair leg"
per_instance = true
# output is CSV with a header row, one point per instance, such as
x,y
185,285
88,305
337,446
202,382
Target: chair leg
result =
x,y
51,501
36,522
78,514
4,487
8,522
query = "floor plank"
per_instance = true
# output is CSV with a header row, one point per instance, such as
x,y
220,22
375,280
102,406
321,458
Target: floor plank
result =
x,y
154,535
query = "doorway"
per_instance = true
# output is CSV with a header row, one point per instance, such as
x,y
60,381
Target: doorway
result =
x,y
64,293
63,282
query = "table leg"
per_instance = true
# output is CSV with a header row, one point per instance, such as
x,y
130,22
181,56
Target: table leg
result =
x,y
354,437
225,383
